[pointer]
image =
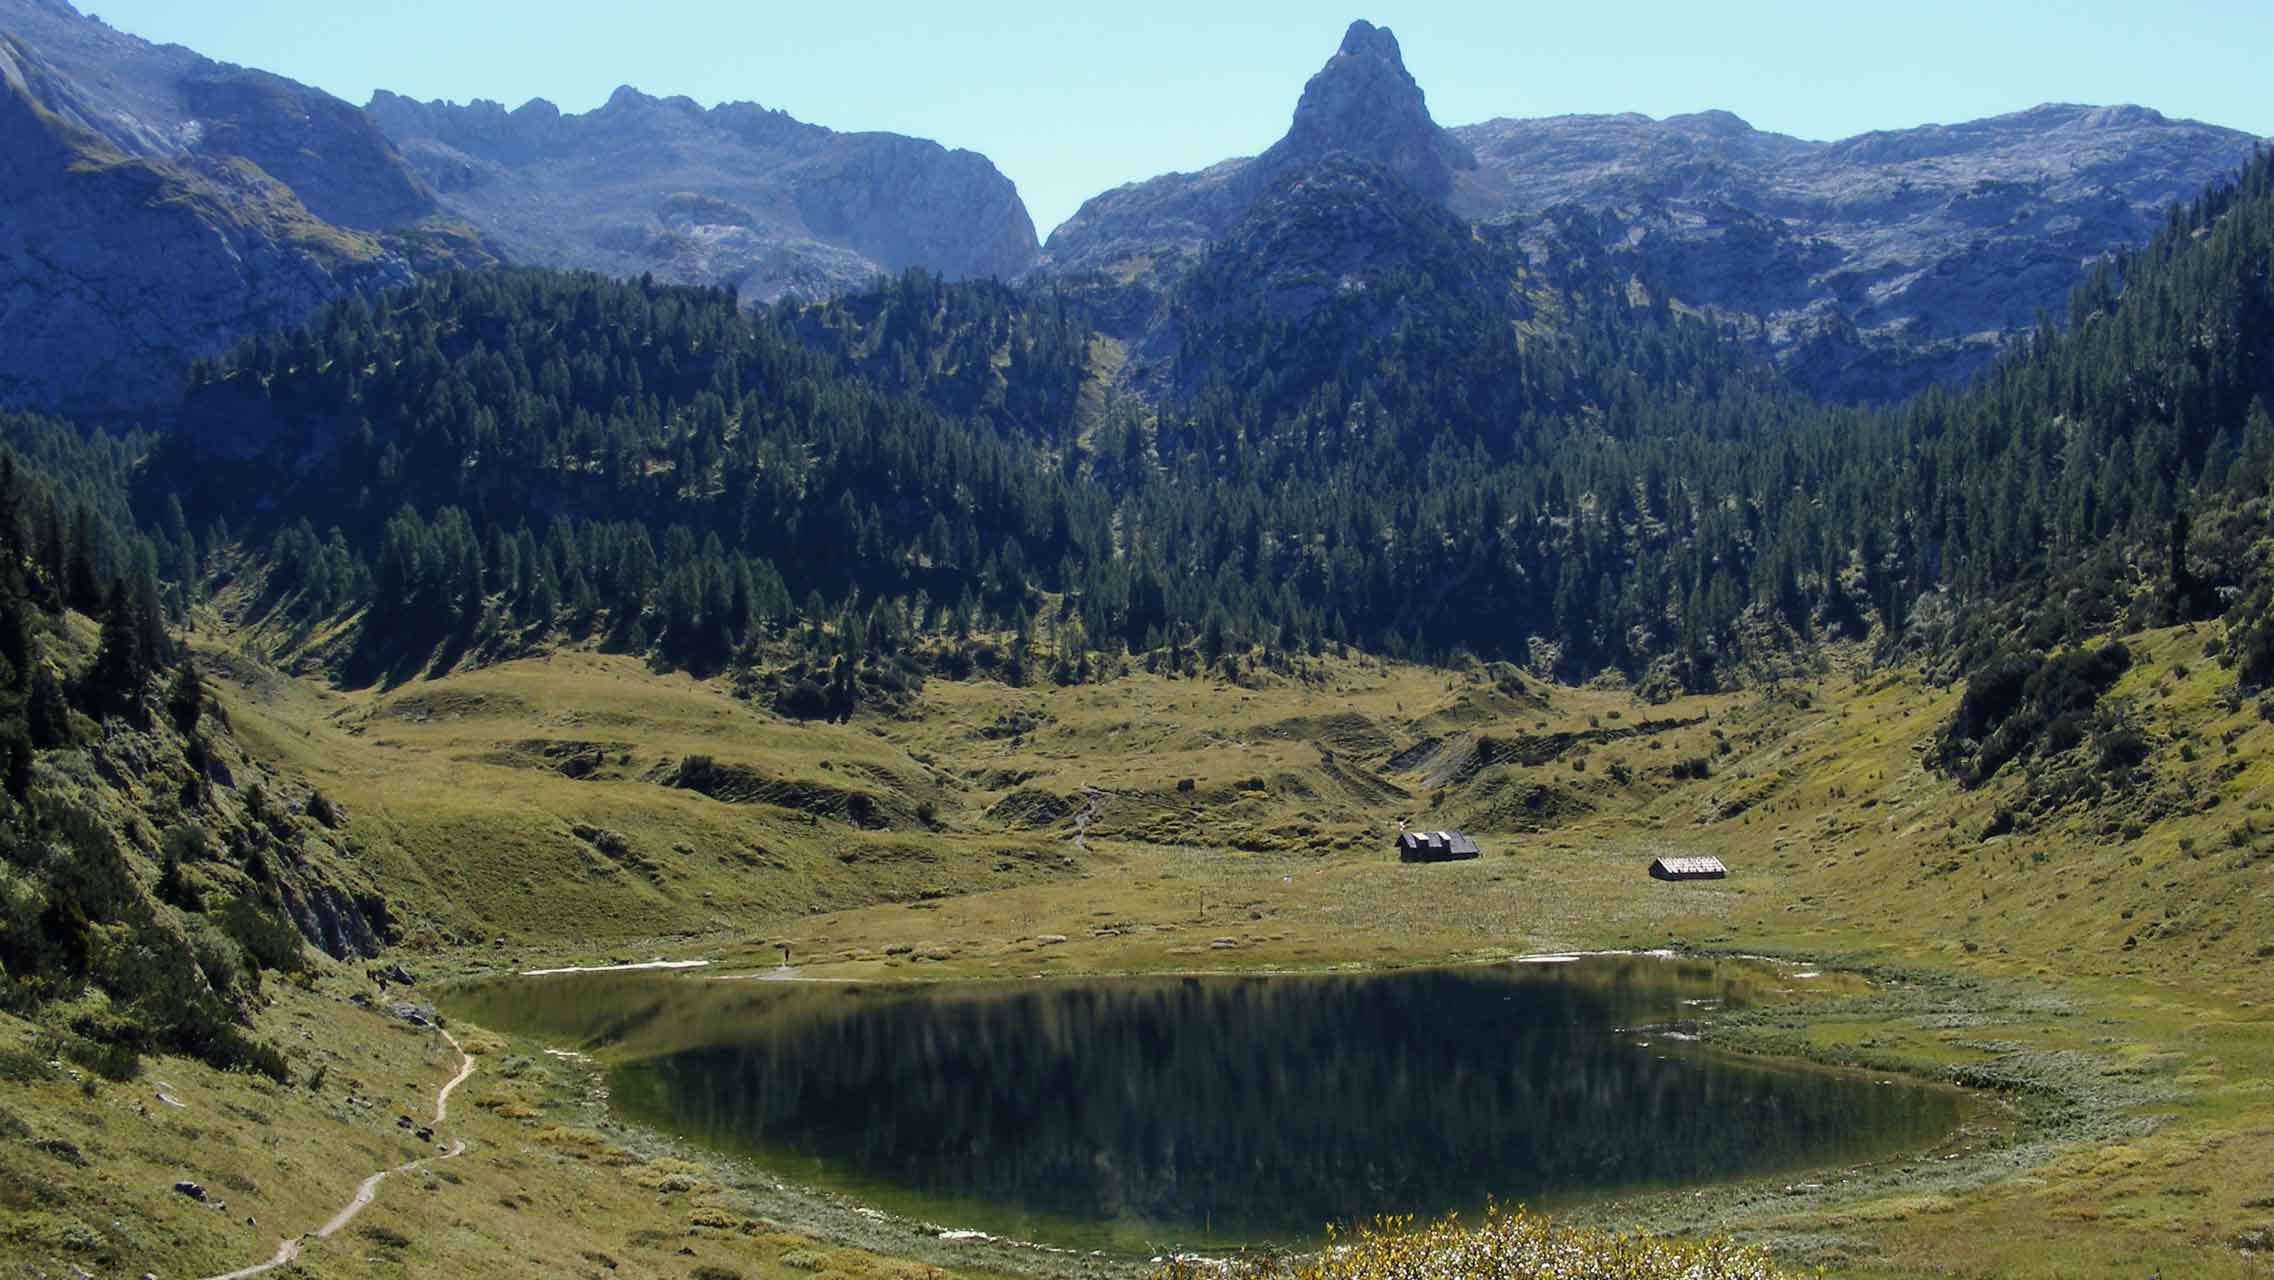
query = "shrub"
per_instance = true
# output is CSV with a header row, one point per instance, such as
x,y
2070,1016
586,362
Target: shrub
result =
x,y
269,938
106,1042
804,700
218,958
385,1237
174,886
19,1067
2018,705
187,844
2121,748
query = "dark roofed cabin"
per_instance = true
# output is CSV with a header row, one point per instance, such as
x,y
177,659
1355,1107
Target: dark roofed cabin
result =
x,y
1688,869
1436,846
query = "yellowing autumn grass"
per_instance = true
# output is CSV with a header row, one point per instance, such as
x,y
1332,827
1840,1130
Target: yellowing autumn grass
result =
x,y
1136,825
1512,1245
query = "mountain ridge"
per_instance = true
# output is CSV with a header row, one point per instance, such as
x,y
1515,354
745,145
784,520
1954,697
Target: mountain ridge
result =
x,y
1363,103
1870,267
167,204
1928,247
734,194
164,205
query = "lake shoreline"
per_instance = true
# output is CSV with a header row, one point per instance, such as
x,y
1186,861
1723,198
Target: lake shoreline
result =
x,y
2020,1117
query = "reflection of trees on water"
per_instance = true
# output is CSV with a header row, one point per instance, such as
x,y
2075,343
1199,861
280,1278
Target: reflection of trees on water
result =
x,y
1276,1104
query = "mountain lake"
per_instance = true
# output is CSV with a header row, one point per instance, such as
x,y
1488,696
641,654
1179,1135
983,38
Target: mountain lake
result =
x,y
1137,1115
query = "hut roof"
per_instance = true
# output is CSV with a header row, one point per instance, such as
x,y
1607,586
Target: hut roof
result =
x,y
1690,868
1452,842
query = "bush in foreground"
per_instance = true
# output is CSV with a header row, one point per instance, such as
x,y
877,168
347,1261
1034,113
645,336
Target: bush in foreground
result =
x,y
1504,1246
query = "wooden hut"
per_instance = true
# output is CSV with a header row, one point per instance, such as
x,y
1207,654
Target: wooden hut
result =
x,y
1700,868
1436,846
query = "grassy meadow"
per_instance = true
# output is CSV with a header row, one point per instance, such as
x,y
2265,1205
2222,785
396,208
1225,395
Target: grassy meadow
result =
x,y
2098,969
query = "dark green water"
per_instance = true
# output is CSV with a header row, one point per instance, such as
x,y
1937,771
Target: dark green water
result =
x,y
1144,1112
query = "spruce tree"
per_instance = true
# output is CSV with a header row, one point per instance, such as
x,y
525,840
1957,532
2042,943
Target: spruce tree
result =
x,y
114,683
185,698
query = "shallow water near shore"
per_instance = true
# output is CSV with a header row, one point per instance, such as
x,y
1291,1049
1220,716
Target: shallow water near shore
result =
x,y
1143,1114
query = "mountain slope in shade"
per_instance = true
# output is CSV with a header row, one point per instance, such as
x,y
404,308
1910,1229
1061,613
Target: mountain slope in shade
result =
x,y
162,205
736,195
167,102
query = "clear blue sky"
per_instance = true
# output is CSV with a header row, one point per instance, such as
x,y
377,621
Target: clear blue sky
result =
x,y
1072,99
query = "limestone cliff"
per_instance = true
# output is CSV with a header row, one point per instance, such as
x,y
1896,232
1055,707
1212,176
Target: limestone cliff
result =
x,y
734,195
1363,105
161,205
1869,267
1872,266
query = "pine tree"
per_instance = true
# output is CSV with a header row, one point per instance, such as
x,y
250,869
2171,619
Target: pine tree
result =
x,y
185,698
115,681
47,714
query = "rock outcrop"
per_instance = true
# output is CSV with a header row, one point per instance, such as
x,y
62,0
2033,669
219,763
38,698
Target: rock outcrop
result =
x,y
161,206
1363,105
1869,267
737,195
1366,105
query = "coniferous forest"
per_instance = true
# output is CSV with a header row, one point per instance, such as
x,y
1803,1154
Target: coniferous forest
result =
x,y
830,503
487,463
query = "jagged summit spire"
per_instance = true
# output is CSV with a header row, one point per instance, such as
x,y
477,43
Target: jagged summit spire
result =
x,y
1365,40
1366,104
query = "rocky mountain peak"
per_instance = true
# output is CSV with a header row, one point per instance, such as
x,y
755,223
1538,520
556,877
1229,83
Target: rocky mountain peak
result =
x,y
1364,103
1365,40
1362,106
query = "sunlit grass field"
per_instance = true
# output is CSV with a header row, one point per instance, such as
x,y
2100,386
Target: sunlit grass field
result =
x,y
1511,1244
2102,968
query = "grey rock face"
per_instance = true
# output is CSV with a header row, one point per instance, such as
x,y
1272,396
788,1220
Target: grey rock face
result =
x,y
159,206
737,195
1872,266
1363,105
329,153
166,102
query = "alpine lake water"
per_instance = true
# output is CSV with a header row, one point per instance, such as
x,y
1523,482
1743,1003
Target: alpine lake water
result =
x,y
1140,1114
